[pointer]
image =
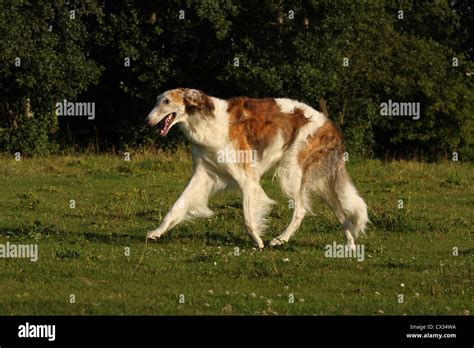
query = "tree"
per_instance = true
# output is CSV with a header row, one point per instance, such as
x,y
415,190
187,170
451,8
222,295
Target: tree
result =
x,y
44,60
350,56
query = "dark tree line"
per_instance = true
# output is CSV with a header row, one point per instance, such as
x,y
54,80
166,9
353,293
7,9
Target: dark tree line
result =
x,y
349,55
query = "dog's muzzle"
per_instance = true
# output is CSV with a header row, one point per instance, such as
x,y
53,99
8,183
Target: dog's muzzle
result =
x,y
164,125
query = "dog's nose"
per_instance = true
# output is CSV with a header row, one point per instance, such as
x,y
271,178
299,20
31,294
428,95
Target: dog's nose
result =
x,y
149,117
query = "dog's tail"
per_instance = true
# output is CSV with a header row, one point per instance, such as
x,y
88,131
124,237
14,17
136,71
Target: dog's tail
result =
x,y
353,205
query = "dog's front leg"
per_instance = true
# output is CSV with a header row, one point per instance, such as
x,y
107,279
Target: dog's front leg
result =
x,y
256,206
191,203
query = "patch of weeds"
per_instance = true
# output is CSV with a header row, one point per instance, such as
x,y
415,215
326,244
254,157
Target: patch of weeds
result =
x,y
452,182
44,229
67,253
76,162
460,221
391,189
149,165
29,199
51,168
398,263
260,268
121,196
50,188
148,213
36,231
203,257
125,169
396,220
75,214
222,237
373,250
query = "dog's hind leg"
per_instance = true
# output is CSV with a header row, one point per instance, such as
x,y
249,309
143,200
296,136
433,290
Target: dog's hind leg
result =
x,y
340,194
298,215
192,202
352,210
324,188
290,177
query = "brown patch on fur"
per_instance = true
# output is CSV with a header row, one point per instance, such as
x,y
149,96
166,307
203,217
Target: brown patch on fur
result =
x,y
254,123
326,139
197,101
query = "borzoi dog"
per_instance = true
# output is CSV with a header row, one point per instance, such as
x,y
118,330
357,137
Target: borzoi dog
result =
x,y
306,147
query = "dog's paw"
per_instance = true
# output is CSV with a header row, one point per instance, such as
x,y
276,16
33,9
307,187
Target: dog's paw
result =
x,y
153,235
277,241
258,245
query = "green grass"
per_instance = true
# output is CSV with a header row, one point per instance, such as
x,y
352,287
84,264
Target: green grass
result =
x,y
408,251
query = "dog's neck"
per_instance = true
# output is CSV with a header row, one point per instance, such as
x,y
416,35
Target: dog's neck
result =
x,y
209,130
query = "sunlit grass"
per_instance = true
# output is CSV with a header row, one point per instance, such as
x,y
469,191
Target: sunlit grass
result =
x,y
408,251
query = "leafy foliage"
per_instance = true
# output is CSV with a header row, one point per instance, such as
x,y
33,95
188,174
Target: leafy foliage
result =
x,y
44,60
354,55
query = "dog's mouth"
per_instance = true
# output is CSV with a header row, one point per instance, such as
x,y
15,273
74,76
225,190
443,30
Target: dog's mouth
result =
x,y
165,124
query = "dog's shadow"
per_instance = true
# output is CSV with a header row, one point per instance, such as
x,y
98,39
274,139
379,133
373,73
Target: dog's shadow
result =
x,y
211,237
113,238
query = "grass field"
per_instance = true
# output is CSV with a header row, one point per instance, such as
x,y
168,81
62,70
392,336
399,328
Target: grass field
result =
x,y
82,251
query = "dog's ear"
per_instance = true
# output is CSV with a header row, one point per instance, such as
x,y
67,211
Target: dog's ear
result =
x,y
192,97
195,100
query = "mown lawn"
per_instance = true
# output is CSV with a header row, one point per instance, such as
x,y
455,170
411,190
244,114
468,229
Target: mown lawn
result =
x,y
82,251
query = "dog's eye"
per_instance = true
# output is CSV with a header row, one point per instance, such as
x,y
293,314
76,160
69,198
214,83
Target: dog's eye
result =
x,y
166,101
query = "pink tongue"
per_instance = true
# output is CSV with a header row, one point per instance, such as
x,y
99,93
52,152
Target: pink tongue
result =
x,y
167,123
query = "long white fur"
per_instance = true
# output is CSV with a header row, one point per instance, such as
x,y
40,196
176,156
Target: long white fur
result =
x,y
209,135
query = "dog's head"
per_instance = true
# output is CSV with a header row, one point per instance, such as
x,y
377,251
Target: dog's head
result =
x,y
179,105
